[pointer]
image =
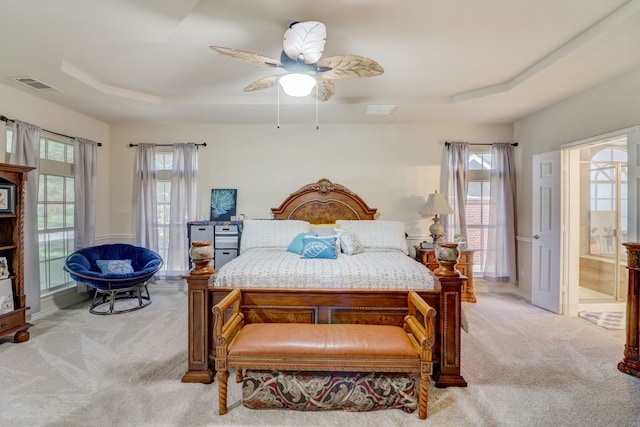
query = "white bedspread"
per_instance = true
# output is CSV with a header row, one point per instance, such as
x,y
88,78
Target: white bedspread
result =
x,y
277,268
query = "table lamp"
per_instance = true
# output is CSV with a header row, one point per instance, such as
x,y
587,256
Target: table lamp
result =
x,y
436,205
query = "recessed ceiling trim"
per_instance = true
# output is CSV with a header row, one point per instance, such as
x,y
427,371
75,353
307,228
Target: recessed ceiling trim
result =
x,y
614,18
89,80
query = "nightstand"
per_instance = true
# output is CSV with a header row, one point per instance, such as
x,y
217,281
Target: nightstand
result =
x,y
464,265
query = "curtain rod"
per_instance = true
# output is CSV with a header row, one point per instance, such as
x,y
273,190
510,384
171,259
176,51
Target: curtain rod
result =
x,y
447,144
7,120
203,144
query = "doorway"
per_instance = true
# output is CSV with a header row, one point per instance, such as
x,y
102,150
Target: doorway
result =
x,y
599,191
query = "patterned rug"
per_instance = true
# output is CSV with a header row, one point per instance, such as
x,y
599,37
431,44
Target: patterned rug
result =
x,y
606,319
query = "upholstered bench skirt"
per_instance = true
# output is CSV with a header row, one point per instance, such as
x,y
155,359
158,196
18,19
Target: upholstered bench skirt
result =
x,y
316,391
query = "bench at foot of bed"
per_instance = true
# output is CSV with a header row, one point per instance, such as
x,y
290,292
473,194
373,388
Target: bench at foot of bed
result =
x,y
324,347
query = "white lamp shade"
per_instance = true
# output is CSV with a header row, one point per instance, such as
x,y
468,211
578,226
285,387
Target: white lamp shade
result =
x,y
297,84
436,204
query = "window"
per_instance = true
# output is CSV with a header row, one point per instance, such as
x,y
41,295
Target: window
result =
x,y
164,167
55,208
608,198
478,195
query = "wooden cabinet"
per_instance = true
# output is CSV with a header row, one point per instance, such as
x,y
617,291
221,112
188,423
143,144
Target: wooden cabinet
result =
x,y
465,266
12,187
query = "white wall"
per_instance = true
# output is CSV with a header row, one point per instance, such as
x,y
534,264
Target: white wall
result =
x,y
609,107
392,167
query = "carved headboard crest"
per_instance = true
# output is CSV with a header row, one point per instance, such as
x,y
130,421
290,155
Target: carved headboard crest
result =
x,y
323,202
323,186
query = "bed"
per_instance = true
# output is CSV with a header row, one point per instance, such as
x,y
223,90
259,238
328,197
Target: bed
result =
x,y
378,298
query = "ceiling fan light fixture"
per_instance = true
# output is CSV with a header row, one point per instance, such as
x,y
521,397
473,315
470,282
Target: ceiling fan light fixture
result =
x,y
297,84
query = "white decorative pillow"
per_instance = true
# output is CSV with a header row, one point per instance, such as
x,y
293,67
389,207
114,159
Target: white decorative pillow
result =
x,y
270,233
349,242
377,234
115,266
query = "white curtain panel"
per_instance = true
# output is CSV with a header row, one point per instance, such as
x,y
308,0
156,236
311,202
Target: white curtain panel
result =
x,y
85,187
456,190
500,262
26,145
183,208
146,204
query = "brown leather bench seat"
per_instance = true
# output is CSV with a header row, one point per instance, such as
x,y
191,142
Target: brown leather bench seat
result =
x,y
324,347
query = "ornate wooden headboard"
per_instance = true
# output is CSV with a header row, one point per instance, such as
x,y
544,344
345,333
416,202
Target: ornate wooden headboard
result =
x,y
323,202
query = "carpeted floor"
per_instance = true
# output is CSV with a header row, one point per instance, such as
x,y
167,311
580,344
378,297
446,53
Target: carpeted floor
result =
x,y
605,319
524,365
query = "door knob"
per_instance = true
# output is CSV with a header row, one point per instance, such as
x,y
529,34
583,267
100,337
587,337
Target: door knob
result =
x,y
535,236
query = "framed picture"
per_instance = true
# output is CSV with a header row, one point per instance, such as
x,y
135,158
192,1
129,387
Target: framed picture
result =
x,y
7,198
4,268
6,296
223,204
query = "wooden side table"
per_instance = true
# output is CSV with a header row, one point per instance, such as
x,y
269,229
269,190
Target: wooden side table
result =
x,y
465,266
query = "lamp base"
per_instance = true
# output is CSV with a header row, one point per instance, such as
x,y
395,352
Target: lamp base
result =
x,y
436,230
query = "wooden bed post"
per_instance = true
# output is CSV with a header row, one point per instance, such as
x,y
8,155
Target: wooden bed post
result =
x,y
200,330
631,362
450,313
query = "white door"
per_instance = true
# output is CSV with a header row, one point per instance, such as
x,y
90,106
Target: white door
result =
x,y
633,179
546,231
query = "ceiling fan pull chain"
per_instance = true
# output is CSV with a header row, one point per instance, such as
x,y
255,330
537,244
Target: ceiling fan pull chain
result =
x,y
278,124
317,126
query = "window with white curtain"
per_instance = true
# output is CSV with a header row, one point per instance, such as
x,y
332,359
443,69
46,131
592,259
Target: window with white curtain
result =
x,y
55,208
164,167
478,203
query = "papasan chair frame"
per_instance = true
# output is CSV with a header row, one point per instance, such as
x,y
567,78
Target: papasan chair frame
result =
x,y
82,266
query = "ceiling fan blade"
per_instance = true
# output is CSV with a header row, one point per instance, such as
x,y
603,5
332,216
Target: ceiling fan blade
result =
x,y
263,83
349,67
250,57
326,89
304,41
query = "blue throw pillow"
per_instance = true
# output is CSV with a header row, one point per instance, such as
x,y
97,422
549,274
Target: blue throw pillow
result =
x,y
319,247
115,266
296,244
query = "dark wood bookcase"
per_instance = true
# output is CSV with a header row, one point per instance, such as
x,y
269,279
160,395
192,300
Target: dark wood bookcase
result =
x,y
12,192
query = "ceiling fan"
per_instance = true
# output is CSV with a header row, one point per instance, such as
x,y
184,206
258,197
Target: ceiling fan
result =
x,y
302,60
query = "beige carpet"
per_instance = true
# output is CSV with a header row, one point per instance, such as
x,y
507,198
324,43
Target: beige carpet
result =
x,y
525,367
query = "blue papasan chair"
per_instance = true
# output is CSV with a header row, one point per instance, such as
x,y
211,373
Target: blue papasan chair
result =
x,y
116,271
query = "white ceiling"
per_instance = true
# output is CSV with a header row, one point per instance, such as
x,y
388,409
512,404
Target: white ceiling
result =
x,y
489,61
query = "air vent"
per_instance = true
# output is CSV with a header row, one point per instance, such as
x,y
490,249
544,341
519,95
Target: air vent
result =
x,y
35,84
379,110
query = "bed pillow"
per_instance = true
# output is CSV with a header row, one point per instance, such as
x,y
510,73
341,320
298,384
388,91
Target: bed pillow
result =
x,y
377,234
297,243
323,229
270,233
349,242
319,247
115,266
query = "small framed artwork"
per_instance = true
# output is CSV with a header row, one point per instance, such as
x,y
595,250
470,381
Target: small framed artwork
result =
x,y
223,203
6,296
4,268
7,198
